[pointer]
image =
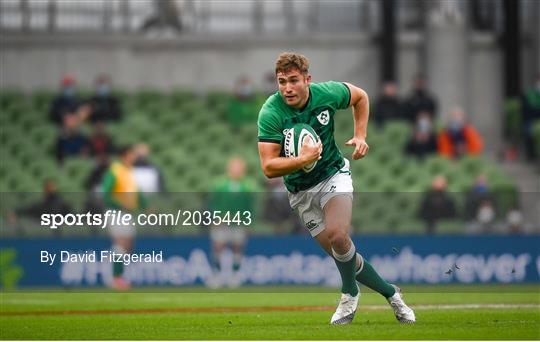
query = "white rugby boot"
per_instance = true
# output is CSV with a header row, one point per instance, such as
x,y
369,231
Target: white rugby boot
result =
x,y
346,309
403,313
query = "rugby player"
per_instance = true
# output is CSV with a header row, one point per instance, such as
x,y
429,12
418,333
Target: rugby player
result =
x,y
122,194
322,197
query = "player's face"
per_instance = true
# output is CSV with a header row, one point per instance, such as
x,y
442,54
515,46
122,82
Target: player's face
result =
x,y
236,168
130,157
294,87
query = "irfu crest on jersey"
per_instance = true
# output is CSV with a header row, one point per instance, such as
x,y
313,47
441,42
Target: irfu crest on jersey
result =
x,y
324,117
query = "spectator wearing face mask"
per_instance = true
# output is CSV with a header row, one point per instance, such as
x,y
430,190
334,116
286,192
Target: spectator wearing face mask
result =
x,y
388,106
423,141
243,105
480,207
459,138
66,102
515,223
269,85
104,106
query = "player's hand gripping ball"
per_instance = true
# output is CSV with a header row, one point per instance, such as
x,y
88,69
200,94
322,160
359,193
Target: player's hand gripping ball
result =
x,y
294,139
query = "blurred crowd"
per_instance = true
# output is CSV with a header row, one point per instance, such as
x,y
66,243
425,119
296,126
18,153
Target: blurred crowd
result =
x,y
453,138
69,112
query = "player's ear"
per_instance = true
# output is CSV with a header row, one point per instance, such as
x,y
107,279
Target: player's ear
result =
x,y
308,78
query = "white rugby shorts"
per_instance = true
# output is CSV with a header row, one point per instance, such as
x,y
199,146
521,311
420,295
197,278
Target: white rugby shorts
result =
x,y
229,235
123,231
310,203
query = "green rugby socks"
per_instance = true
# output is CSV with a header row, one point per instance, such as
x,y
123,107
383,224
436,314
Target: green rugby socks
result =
x,y
346,264
118,266
367,276
118,269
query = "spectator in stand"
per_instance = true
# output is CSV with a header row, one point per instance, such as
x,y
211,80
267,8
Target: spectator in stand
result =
x,y
388,106
459,138
269,83
71,142
278,211
436,204
243,89
51,203
148,176
243,105
423,141
515,224
480,207
100,142
66,102
420,100
103,105
120,192
530,104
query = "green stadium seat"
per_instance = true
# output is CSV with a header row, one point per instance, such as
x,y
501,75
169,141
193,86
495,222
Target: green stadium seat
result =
x,y
191,141
451,227
438,165
472,165
398,130
11,96
182,94
214,97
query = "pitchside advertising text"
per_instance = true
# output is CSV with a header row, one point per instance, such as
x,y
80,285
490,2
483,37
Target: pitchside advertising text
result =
x,y
284,260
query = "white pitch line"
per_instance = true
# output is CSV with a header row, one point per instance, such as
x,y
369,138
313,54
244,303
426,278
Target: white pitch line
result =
x,y
456,306
23,301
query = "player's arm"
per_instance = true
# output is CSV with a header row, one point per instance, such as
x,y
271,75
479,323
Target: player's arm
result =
x,y
273,165
360,108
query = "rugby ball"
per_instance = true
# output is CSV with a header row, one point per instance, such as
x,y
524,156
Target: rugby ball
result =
x,y
294,139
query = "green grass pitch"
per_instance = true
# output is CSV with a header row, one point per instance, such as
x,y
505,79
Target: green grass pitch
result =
x,y
279,313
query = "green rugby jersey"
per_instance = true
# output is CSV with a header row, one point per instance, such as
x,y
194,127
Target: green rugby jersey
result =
x,y
276,117
230,195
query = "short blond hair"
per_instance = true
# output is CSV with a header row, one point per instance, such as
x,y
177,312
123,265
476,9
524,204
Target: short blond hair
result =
x,y
288,61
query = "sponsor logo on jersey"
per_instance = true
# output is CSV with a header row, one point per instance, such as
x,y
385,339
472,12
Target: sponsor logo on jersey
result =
x,y
311,225
324,117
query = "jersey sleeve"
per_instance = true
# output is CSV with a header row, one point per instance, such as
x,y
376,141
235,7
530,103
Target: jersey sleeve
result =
x,y
269,127
340,93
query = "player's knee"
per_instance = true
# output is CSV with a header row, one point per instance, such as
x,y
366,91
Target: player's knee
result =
x,y
338,236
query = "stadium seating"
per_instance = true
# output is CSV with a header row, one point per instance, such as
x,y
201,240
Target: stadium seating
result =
x,y
191,141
